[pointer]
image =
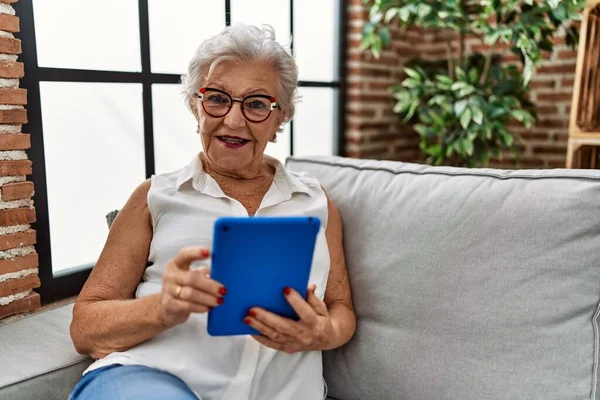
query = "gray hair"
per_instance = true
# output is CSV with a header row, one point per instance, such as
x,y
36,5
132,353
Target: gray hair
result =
x,y
241,42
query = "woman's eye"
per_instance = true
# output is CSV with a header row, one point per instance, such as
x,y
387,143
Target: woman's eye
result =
x,y
217,99
256,104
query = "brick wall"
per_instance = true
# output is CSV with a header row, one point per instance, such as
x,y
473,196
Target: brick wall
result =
x,y
18,258
374,130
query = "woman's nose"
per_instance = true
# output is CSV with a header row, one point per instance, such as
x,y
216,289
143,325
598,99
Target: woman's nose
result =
x,y
235,118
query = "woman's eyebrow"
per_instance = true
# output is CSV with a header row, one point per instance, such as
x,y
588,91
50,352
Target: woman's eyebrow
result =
x,y
257,91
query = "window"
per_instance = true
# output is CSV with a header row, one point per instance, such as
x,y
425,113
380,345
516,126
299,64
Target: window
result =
x,y
106,110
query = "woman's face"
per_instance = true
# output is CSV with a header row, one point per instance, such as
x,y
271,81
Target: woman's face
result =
x,y
233,143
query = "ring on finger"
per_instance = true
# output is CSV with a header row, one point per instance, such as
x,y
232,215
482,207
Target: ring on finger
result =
x,y
178,291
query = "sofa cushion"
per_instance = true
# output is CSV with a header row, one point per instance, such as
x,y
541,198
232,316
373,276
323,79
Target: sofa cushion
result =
x,y
38,360
468,284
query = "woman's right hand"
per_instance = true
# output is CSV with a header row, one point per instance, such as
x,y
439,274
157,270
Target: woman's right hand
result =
x,y
187,291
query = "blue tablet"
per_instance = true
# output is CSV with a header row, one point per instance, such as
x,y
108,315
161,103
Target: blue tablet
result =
x,y
256,258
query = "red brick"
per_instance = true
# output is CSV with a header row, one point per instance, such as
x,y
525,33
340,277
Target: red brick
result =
x,y
365,71
570,54
20,285
15,168
543,84
29,303
357,15
557,163
535,136
380,85
354,44
355,29
555,97
19,239
551,110
550,150
13,96
9,23
356,57
568,83
354,85
19,264
14,141
13,116
17,216
557,69
552,123
17,191
355,140
384,137
370,99
11,70
510,58
10,45
361,113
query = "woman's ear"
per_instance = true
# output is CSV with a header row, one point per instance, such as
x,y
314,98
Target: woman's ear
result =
x,y
193,103
280,118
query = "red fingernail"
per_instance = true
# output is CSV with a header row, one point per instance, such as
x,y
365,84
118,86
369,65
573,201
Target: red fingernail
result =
x,y
222,291
252,313
247,321
220,300
287,291
204,253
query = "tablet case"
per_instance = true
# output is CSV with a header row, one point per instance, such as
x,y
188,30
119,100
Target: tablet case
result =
x,y
255,258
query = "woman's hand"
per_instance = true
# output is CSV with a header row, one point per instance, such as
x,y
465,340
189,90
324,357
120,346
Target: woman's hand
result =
x,y
314,330
188,291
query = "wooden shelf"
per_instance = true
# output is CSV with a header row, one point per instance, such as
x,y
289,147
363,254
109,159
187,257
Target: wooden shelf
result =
x,y
584,125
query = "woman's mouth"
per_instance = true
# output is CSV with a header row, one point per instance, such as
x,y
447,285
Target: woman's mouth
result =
x,y
232,142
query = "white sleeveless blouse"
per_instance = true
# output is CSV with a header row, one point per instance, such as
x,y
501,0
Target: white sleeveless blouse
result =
x,y
184,206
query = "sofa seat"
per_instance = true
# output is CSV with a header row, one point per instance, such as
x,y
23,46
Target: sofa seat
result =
x,y
38,360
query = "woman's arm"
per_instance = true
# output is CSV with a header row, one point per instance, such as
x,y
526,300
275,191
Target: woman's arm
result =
x,y
338,295
105,316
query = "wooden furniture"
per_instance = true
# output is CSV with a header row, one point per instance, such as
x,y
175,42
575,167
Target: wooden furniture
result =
x,y
584,125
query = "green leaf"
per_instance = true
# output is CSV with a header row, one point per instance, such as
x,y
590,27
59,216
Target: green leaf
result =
x,y
473,75
390,14
424,10
461,75
466,91
478,116
468,147
458,86
411,110
404,14
528,71
460,107
421,129
386,38
465,118
413,74
519,115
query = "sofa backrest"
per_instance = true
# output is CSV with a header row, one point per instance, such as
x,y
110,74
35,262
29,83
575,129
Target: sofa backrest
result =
x,y
468,284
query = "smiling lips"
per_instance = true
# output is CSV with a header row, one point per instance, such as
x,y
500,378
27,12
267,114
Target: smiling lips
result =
x,y
232,142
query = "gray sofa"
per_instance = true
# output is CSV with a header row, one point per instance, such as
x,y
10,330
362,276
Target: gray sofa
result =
x,y
468,285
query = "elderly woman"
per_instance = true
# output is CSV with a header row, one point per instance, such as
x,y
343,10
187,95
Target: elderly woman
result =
x,y
146,326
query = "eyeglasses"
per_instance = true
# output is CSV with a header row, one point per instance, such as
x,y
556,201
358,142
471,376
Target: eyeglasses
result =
x,y
255,108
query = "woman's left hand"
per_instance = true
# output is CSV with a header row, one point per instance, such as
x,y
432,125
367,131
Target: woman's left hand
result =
x,y
313,331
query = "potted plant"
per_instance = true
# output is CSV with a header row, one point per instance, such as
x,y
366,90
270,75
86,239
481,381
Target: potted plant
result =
x,y
461,106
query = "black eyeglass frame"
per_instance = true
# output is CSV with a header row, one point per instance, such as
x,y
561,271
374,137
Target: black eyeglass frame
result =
x,y
273,100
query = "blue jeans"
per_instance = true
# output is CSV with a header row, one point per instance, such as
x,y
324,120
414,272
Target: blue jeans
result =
x,y
130,382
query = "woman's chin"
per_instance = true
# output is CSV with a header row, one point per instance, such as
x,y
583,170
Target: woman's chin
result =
x,y
231,160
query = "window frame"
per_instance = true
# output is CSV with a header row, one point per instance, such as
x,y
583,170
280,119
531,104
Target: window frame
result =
x,y
68,283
